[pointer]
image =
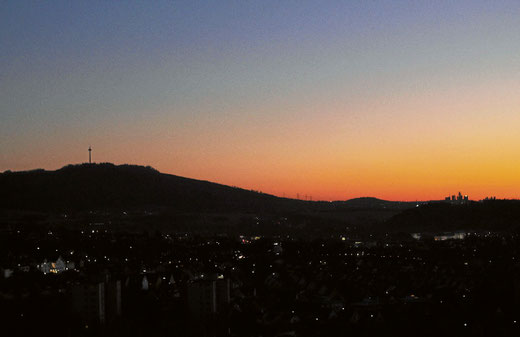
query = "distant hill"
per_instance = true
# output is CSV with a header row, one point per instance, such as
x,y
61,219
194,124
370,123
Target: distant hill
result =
x,y
87,187
375,203
105,186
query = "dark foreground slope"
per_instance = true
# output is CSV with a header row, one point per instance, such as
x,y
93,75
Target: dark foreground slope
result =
x,y
485,215
106,186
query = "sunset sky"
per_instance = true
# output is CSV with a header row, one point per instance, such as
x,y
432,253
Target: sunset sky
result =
x,y
401,100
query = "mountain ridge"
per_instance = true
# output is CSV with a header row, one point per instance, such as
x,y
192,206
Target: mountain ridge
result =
x,y
106,185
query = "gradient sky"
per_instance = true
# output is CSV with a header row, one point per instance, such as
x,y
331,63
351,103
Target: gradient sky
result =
x,y
401,100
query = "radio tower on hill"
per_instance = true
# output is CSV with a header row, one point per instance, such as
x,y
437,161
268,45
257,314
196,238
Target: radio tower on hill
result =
x,y
89,155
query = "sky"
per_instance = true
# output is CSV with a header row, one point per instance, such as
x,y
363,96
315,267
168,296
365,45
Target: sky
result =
x,y
401,100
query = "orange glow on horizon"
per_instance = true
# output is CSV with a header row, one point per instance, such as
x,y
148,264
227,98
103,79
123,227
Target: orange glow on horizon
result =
x,y
421,145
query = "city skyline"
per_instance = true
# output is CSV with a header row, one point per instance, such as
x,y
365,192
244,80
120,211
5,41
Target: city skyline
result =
x,y
400,101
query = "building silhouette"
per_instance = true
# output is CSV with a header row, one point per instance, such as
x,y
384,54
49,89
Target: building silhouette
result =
x,y
457,199
97,302
207,299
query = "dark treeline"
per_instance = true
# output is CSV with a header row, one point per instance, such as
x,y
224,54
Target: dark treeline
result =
x,y
485,215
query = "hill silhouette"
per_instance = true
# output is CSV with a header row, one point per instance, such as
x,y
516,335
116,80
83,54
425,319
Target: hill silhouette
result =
x,y
107,186
104,186
375,203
